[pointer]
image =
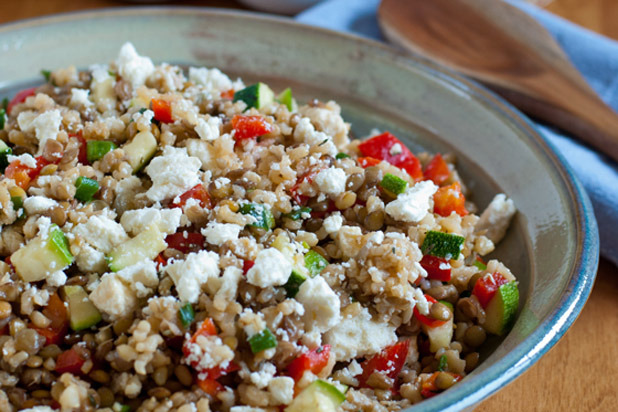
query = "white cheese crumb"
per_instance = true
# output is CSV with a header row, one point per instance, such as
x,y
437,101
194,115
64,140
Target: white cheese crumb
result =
x,y
45,125
333,223
213,80
191,273
79,97
56,279
25,159
412,205
113,297
219,233
101,232
263,376
138,220
172,173
331,181
495,219
133,67
140,277
208,129
271,268
395,149
321,305
281,390
38,204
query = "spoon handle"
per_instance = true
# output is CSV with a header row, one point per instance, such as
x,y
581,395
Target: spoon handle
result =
x,y
503,47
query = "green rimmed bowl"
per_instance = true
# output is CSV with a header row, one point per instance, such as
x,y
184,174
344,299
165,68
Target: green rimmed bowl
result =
x,y
552,246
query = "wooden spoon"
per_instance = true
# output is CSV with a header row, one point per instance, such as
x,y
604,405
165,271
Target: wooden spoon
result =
x,y
503,47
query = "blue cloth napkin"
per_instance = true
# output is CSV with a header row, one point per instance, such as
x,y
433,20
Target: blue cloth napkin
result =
x,y
594,55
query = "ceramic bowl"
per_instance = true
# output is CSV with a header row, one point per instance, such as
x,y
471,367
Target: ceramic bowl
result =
x,y
552,245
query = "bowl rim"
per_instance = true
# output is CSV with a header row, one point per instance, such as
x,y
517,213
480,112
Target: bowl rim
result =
x,y
582,275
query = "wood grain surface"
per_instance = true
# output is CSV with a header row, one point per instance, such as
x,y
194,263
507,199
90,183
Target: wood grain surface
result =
x,y
580,373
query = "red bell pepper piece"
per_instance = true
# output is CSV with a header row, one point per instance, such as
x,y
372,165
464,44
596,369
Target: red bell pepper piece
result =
x,y
22,174
70,361
437,268
314,361
246,265
485,288
160,261
56,312
387,147
210,386
228,94
307,177
449,199
366,162
437,170
197,192
189,242
82,157
390,362
20,97
250,127
207,328
428,320
162,110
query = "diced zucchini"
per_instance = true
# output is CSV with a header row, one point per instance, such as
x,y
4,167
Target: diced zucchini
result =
x,y
502,308
442,363
42,256
444,245
262,341
146,245
294,281
140,150
315,263
257,95
5,150
340,156
85,189
439,336
2,119
186,314
479,264
263,216
82,312
285,97
118,407
96,149
393,185
320,396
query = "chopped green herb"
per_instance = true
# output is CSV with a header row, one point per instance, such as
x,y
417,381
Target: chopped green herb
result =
x,y
315,263
5,103
86,188
297,214
186,315
442,363
5,151
323,142
111,73
142,110
444,245
2,118
393,185
96,149
342,156
262,341
263,216
46,74
394,250
480,264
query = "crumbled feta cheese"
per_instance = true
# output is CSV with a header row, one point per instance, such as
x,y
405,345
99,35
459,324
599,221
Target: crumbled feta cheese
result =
x,y
246,409
229,288
45,125
140,277
143,120
113,297
213,80
349,240
412,205
133,67
421,301
138,220
208,129
281,390
203,151
331,181
271,268
25,159
321,304
219,233
38,204
38,409
172,173
333,223
358,336
395,149
79,97
56,279
191,273
495,219
101,232
263,376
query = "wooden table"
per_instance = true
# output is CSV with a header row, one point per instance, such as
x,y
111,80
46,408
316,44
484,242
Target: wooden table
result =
x,y
581,372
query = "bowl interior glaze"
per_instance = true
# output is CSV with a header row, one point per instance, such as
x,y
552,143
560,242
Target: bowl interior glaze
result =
x,y
552,246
